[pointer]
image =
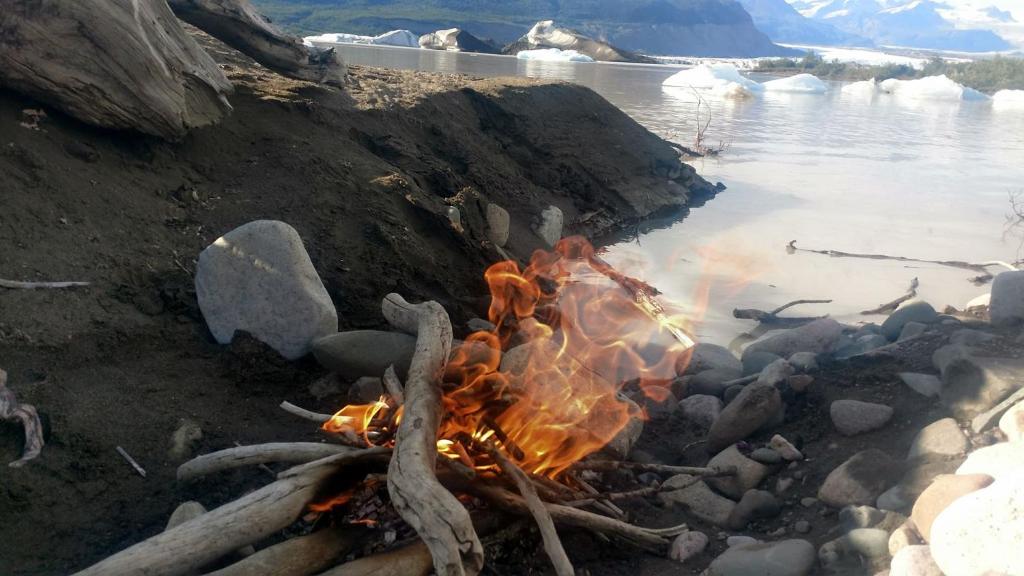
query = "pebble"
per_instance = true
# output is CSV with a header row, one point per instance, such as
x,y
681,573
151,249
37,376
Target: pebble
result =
x,y
755,362
259,279
980,533
701,410
549,225
366,390
1006,307
998,461
894,499
924,384
868,542
687,545
905,535
861,345
912,330
698,499
709,357
859,480
327,386
755,505
914,561
806,362
784,558
802,527
480,325
852,417
755,406
785,449
185,439
1012,423
497,225
783,484
766,456
916,311
732,541
748,473
711,382
808,502
940,437
945,490
799,382
776,373
184,512
853,517
819,337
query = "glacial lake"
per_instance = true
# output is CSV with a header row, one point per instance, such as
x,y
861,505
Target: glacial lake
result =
x,y
923,179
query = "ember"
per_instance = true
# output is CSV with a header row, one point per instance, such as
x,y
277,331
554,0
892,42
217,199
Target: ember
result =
x,y
587,329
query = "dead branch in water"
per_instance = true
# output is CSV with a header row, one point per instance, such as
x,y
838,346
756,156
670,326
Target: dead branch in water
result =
x,y
890,307
436,515
11,411
980,267
773,316
552,544
17,285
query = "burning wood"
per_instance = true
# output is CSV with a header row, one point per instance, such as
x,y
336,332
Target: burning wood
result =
x,y
529,428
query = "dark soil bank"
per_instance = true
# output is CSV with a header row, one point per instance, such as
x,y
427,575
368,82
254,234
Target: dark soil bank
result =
x,y
366,177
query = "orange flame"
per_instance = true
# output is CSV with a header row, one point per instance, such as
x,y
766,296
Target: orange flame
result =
x,y
552,400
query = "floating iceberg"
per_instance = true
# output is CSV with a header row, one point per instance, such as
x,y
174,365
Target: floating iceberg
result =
x,y
801,83
553,55
403,38
721,79
1008,99
862,89
930,88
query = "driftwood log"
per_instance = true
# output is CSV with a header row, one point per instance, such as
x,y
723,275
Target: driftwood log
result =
x,y
437,516
239,25
12,411
123,64
412,560
289,452
300,556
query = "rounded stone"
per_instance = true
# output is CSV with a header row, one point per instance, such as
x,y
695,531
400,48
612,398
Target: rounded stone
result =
x,y
903,536
1006,306
859,480
755,505
942,437
918,311
944,490
914,561
998,461
852,417
687,545
983,532
497,224
701,409
753,407
784,558
766,456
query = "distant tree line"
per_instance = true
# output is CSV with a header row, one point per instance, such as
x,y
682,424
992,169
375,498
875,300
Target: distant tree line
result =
x,y
987,76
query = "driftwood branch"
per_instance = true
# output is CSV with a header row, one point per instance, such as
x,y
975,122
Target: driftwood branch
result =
x,y
980,267
12,411
189,546
289,452
552,544
436,515
413,560
239,25
18,285
772,317
393,386
300,556
304,414
890,307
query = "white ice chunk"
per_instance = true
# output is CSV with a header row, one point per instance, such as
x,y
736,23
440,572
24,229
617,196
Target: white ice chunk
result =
x,y
721,79
930,88
801,83
393,38
553,55
862,89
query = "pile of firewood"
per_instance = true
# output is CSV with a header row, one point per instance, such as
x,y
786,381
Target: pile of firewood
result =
x,y
426,492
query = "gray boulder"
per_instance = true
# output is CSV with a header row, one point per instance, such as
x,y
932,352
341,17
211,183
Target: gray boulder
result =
x,y
852,417
912,330
755,505
918,311
775,373
1006,307
701,409
805,362
754,362
972,385
710,357
365,353
784,558
755,406
711,382
259,279
819,337
859,480
942,437
924,384
862,345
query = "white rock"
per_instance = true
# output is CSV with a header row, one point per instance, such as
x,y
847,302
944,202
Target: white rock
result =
x,y
549,226
982,533
687,545
924,384
1007,304
258,278
1012,423
998,461
940,437
785,448
852,417
914,561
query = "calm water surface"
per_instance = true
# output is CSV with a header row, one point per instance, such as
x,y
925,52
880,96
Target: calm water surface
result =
x,y
928,180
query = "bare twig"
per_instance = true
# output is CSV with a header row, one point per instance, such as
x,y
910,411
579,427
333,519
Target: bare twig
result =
x,y
890,307
11,410
17,285
305,414
128,458
773,316
288,452
552,544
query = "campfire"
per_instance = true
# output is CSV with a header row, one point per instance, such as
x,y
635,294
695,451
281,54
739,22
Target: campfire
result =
x,y
526,405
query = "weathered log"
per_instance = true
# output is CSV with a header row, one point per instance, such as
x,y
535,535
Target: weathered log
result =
x,y
413,560
11,410
198,542
290,452
300,556
239,25
437,516
122,64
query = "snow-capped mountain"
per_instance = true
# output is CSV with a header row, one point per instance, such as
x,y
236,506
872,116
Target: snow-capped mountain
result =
x,y
963,25
782,23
